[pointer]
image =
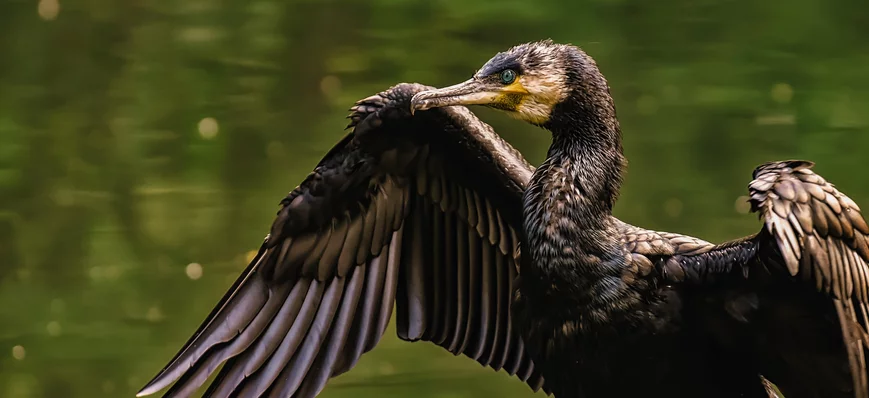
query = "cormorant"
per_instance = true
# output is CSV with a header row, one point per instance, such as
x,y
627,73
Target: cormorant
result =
x,y
424,206
607,309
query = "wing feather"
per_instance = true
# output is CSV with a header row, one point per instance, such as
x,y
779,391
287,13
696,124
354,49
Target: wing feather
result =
x,y
499,345
810,337
464,280
326,360
293,373
821,236
440,297
822,215
454,290
480,291
263,378
411,318
416,212
240,367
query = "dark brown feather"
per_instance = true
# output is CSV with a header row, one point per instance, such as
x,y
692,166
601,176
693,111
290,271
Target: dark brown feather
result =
x,y
382,220
808,338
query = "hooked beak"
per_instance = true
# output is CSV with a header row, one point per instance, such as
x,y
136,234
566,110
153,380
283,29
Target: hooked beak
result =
x,y
470,92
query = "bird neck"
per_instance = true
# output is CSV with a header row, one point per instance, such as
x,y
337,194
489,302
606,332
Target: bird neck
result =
x,y
572,238
577,185
586,135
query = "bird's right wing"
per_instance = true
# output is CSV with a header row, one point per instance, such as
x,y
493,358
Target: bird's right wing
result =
x,y
418,211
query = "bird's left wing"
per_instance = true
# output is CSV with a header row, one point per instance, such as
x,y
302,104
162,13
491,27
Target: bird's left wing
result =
x,y
796,292
417,211
819,236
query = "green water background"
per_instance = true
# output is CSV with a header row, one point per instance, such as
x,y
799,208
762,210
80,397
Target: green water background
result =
x,y
145,144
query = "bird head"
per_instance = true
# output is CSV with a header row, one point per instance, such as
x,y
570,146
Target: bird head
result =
x,y
527,81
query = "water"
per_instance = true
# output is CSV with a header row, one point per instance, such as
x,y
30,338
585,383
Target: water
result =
x,y
144,146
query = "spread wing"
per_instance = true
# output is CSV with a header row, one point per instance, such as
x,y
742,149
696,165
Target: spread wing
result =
x,y
418,211
820,238
793,296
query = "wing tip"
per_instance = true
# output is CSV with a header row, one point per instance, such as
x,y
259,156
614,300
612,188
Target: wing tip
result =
x,y
157,383
148,389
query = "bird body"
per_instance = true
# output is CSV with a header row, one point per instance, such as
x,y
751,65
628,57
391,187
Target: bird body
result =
x,y
526,270
609,309
595,319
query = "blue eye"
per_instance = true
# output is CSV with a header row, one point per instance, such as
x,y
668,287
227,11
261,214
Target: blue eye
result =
x,y
508,76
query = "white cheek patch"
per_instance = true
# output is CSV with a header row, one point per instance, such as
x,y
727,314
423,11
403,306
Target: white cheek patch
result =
x,y
545,90
532,111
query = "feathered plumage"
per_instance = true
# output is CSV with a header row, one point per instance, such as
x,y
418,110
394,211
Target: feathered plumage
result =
x,y
607,309
526,270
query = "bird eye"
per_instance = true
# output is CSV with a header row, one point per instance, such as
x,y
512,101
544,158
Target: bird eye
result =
x,y
508,76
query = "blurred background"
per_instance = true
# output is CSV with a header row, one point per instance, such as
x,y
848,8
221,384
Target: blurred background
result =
x,y
145,144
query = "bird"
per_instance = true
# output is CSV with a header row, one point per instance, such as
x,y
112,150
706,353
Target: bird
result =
x,y
421,209
608,309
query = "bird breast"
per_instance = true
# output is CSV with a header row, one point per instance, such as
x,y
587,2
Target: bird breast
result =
x,y
552,216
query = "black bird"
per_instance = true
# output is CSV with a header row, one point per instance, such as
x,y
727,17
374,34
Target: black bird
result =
x,y
429,210
607,309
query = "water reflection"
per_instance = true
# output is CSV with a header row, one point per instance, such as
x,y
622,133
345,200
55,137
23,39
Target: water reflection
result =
x,y
144,147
